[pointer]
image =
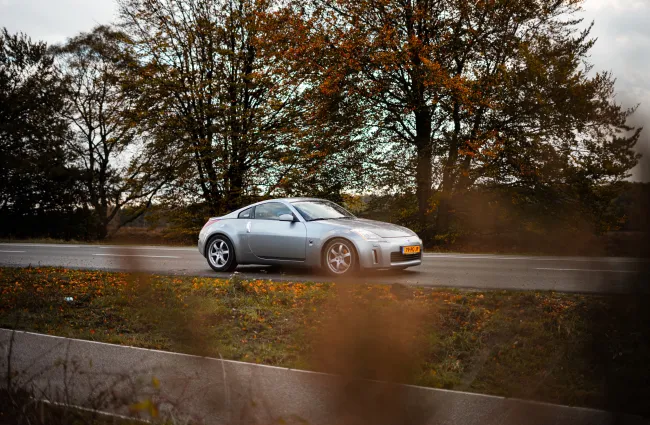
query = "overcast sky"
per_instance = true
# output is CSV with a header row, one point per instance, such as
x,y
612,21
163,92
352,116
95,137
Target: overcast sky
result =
x,y
621,26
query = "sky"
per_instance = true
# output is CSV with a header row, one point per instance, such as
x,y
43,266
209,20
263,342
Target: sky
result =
x,y
622,28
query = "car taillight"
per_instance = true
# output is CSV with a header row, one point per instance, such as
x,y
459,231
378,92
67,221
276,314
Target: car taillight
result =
x,y
212,220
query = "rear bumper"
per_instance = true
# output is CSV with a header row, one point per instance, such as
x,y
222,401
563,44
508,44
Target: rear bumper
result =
x,y
201,244
388,253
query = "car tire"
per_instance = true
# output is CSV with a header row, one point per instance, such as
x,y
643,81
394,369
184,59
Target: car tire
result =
x,y
220,253
340,258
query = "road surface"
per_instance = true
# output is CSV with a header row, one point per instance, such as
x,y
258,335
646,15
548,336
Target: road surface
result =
x,y
566,274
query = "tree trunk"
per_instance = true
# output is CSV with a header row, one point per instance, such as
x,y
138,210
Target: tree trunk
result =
x,y
423,171
443,219
101,225
444,206
236,183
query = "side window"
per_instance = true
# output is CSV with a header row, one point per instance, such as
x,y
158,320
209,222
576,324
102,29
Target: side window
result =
x,y
271,211
248,213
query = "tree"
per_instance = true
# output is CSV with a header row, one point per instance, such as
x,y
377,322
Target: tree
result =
x,y
475,93
219,76
107,143
36,180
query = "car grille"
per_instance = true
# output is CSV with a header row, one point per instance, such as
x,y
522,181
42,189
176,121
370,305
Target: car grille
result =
x,y
398,257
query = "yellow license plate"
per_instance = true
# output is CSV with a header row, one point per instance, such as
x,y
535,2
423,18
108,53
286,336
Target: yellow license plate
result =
x,y
411,249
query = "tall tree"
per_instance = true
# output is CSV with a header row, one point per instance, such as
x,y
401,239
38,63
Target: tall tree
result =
x,y
107,143
468,93
35,177
216,73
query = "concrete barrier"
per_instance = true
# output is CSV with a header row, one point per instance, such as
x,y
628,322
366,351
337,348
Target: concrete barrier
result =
x,y
123,380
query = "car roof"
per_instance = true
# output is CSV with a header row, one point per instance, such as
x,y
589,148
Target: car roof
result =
x,y
287,200
301,199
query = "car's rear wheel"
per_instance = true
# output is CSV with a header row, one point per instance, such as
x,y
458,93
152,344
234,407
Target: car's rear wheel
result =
x,y
221,254
340,258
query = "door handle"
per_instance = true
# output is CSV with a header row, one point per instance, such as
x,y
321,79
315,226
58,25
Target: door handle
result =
x,y
248,227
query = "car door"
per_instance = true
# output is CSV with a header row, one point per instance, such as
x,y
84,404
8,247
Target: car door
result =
x,y
272,239
244,254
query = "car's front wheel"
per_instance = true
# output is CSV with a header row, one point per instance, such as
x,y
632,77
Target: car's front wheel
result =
x,y
221,254
340,258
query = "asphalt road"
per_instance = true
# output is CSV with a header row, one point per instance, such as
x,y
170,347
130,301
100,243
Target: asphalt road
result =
x,y
566,274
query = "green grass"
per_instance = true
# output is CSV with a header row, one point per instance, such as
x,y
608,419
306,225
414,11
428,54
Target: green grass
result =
x,y
573,349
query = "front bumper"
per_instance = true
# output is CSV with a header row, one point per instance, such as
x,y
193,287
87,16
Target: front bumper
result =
x,y
387,253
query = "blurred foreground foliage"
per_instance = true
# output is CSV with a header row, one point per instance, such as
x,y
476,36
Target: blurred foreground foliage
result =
x,y
587,350
19,407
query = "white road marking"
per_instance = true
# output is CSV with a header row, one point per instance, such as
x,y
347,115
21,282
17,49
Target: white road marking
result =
x,y
51,245
12,251
588,270
135,255
475,257
147,248
588,260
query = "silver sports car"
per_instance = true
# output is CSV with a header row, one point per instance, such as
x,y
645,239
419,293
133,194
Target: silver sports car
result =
x,y
310,232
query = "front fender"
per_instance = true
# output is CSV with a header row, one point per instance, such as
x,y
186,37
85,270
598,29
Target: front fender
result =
x,y
315,250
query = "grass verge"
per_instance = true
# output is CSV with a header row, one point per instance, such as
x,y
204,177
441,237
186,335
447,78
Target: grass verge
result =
x,y
572,349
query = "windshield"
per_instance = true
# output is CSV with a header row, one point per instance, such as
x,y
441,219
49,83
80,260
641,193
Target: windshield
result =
x,y
320,210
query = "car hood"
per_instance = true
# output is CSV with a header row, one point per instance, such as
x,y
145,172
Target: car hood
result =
x,y
380,228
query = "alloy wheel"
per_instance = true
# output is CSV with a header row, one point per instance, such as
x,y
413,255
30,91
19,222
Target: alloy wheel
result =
x,y
339,258
219,253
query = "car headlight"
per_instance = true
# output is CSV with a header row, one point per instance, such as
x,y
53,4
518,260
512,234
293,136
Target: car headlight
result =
x,y
366,234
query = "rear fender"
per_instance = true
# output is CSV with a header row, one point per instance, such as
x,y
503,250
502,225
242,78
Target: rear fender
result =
x,y
224,228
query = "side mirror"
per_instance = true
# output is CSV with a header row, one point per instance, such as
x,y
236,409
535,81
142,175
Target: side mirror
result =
x,y
286,217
